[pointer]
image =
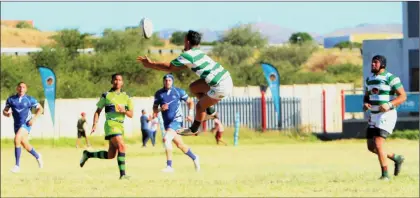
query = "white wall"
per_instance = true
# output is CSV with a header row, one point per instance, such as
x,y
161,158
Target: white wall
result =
x,y
68,111
393,51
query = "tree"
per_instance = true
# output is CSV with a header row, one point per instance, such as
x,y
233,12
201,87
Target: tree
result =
x,y
121,40
178,37
300,37
71,40
244,35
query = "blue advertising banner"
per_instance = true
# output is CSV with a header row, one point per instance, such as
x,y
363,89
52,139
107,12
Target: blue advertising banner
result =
x,y
49,83
354,103
273,80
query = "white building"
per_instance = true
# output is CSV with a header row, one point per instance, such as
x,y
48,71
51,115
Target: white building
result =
x,y
402,54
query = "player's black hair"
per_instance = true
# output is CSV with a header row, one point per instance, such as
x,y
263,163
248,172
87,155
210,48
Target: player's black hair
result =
x,y
193,37
381,59
21,82
115,75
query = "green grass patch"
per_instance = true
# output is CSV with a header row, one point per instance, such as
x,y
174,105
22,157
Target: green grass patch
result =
x,y
406,134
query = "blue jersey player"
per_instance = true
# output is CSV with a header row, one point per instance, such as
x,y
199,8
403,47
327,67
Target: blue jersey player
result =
x,y
21,105
169,99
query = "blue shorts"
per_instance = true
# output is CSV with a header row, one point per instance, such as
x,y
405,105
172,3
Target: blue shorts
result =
x,y
174,125
25,126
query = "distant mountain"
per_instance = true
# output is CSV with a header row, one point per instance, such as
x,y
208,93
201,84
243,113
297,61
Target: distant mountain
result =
x,y
277,34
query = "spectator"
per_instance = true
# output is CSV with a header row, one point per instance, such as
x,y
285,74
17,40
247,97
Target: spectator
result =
x,y
153,128
145,130
81,130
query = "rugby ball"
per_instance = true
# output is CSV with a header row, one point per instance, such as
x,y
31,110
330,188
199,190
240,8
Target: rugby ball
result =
x,y
147,26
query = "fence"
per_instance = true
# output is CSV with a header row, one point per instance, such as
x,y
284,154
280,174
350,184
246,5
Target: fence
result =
x,y
250,109
68,111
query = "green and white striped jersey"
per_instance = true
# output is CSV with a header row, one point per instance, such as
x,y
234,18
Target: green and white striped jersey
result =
x,y
205,67
381,89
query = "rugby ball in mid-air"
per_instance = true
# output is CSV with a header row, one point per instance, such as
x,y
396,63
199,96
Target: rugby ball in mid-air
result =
x,y
147,26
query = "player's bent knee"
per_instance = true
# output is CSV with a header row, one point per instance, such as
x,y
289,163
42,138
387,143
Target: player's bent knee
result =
x,y
168,144
121,147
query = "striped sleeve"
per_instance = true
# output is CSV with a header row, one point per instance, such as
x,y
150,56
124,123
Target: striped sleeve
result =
x,y
366,84
182,60
395,82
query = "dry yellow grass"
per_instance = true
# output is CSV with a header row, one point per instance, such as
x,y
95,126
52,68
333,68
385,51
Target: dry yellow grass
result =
x,y
324,57
16,37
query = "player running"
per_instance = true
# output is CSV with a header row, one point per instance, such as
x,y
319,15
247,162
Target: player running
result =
x,y
214,84
379,98
218,129
21,105
117,105
169,99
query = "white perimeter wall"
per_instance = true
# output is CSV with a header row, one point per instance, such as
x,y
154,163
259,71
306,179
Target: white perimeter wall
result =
x,y
68,111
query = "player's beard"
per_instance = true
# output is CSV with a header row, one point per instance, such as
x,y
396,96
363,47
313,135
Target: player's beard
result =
x,y
375,71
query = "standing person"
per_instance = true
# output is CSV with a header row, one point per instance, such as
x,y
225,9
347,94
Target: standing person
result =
x,y
21,105
380,90
218,129
118,104
169,99
153,128
81,130
145,130
214,84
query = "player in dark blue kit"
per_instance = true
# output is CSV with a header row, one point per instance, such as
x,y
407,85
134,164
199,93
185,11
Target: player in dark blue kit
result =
x,y
169,99
21,105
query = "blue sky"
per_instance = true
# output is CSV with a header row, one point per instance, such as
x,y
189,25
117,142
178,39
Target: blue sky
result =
x,y
94,17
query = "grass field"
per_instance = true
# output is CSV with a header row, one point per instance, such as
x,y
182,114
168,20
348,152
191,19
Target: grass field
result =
x,y
261,165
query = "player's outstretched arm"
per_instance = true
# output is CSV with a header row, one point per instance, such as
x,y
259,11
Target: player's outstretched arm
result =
x,y
162,66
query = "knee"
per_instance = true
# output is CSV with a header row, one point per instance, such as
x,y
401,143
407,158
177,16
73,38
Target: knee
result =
x,y
121,147
199,107
371,148
378,146
111,155
18,140
168,144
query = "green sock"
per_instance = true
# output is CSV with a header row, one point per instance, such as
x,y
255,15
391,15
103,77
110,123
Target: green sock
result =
x,y
99,154
121,163
384,171
396,158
